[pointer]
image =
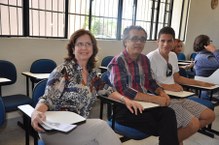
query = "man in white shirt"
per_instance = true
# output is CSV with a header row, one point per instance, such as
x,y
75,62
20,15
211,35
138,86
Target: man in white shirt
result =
x,y
191,116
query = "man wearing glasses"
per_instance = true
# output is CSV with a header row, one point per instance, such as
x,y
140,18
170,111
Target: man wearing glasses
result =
x,y
130,74
190,115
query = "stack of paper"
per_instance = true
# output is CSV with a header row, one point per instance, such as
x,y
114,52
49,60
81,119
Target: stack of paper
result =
x,y
57,126
59,120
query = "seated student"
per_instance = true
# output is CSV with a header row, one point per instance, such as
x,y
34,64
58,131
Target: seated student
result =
x,y
191,116
207,58
73,86
130,74
185,70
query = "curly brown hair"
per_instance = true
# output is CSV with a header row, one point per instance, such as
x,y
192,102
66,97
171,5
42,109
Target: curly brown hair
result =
x,y
71,46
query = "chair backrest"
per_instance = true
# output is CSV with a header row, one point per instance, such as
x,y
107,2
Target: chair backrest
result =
x,y
192,56
38,91
213,78
2,112
43,66
106,60
181,56
8,70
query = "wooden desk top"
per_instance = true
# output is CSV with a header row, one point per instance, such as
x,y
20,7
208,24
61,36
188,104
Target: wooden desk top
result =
x,y
3,80
36,75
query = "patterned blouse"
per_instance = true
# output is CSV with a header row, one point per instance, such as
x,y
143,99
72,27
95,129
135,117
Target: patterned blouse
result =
x,y
65,89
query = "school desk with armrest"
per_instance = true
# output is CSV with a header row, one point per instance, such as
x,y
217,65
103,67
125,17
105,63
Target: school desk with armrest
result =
x,y
126,132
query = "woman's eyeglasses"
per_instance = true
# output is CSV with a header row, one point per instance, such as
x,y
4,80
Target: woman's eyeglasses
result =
x,y
169,70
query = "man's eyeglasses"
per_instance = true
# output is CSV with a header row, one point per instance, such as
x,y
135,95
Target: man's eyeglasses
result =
x,y
136,39
169,70
210,42
84,44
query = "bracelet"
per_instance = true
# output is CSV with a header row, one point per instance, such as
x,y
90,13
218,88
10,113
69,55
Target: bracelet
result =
x,y
122,99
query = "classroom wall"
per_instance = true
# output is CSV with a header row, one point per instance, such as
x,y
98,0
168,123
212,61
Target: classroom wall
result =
x,y
202,20
23,51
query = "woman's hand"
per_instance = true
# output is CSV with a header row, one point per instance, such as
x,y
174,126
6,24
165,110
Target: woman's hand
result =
x,y
36,118
133,106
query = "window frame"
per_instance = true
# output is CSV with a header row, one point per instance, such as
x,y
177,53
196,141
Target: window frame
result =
x,y
154,23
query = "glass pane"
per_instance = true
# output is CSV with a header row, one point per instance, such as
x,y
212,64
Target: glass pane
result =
x,y
46,18
10,17
127,16
78,15
104,18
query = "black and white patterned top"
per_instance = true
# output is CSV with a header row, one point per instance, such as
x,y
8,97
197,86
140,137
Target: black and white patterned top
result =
x,y
65,90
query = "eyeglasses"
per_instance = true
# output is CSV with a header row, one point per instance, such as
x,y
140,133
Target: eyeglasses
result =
x,y
169,70
84,44
210,42
136,39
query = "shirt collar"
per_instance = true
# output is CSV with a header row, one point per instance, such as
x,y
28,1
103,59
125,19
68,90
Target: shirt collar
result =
x,y
128,58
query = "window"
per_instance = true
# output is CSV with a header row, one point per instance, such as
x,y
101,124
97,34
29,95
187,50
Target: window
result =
x,y
47,18
106,19
11,18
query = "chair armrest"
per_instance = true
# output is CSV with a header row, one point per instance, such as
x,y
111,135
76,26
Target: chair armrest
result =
x,y
27,110
110,107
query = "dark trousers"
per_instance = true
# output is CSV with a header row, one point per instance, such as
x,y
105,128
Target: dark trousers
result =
x,y
160,121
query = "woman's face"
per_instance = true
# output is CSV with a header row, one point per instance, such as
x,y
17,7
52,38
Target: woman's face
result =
x,y
83,48
178,47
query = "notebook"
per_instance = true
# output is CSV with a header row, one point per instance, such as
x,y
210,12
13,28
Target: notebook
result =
x,y
147,105
181,94
63,121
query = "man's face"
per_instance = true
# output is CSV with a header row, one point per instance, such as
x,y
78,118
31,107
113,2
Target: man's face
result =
x,y
135,43
165,43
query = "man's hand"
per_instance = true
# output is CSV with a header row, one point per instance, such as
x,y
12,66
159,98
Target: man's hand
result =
x,y
162,101
173,87
163,94
205,84
133,106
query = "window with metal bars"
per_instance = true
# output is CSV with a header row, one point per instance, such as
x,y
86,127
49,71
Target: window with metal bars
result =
x,y
106,19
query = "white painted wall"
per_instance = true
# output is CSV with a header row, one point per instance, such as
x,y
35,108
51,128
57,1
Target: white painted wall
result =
x,y
202,20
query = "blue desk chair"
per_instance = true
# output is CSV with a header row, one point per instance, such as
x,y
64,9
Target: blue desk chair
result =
x,y
2,112
126,132
3,118
41,66
192,56
181,56
8,70
38,91
105,61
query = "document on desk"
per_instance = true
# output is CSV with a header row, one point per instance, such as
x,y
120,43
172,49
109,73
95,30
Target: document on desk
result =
x,y
148,105
63,121
59,120
202,87
63,127
181,94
